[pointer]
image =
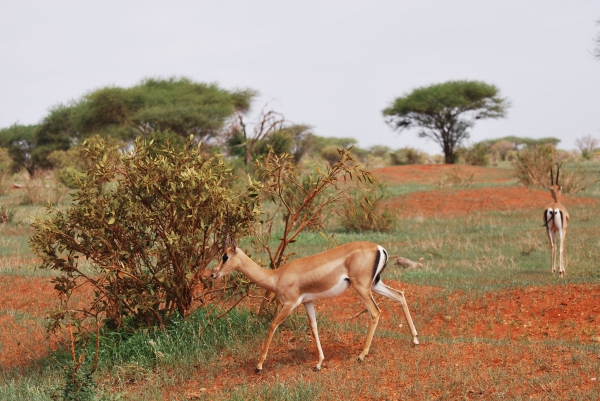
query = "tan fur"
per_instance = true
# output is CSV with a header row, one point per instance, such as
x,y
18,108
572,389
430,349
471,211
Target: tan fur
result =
x,y
315,277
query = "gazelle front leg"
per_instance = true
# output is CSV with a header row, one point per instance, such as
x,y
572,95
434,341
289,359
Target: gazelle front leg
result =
x,y
312,319
285,312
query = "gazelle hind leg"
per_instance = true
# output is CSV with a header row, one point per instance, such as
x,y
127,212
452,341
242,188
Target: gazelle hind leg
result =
x,y
559,236
374,312
312,319
399,297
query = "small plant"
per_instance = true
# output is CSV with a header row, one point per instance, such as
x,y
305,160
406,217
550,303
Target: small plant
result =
x,y
79,382
366,211
456,177
533,168
6,214
534,163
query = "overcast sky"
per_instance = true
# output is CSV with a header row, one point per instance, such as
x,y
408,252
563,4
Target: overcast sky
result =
x,y
333,65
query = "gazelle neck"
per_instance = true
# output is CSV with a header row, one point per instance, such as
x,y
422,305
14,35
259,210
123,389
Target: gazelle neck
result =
x,y
260,276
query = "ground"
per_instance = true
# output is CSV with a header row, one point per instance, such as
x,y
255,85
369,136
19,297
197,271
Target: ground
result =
x,y
526,342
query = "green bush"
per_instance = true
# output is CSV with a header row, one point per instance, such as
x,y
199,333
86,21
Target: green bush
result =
x,y
69,176
405,156
533,164
331,154
366,211
476,155
5,170
147,223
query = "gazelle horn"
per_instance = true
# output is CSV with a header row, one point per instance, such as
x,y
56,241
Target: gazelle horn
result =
x,y
226,231
551,177
557,172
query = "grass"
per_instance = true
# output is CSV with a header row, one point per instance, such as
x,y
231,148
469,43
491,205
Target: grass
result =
x,y
477,341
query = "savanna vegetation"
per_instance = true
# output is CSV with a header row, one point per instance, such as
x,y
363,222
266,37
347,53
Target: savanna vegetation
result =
x,y
113,210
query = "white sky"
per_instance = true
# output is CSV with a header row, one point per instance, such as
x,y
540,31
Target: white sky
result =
x,y
330,64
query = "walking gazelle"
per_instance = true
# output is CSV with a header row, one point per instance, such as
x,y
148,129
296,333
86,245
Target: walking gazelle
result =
x,y
321,276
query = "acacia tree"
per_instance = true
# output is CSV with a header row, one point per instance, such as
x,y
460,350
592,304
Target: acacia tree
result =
x,y
175,107
446,112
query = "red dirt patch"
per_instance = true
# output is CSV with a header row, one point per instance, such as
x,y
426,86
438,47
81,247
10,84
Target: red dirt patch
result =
x,y
447,202
23,338
25,302
433,173
569,312
464,369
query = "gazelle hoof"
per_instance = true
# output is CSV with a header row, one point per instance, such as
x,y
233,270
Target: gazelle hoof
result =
x,y
360,358
317,368
415,341
257,370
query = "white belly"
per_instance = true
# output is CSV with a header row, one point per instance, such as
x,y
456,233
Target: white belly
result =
x,y
334,291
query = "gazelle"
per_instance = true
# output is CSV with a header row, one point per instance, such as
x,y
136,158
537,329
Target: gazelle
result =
x,y
321,276
556,221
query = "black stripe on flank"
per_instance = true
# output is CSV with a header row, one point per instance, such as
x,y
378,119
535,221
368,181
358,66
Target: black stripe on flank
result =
x,y
386,259
378,278
375,267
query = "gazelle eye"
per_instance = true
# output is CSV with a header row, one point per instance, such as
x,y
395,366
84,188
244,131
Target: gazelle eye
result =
x,y
225,257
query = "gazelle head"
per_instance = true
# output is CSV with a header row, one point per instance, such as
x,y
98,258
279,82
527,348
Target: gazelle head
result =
x,y
555,188
229,262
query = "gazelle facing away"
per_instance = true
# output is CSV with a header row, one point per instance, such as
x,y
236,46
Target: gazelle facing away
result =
x,y
321,276
556,221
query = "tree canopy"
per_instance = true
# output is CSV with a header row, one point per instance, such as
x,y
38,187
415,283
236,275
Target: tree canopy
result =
x,y
446,112
177,106
519,142
20,140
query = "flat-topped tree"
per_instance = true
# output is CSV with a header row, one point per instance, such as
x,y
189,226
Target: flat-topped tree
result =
x,y
445,112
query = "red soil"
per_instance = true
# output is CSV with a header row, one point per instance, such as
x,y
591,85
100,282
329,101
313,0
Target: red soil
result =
x,y
25,301
447,203
569,313
433,173
558,312
460,202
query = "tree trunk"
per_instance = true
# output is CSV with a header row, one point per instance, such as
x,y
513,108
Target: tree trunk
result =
x,y
448,155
